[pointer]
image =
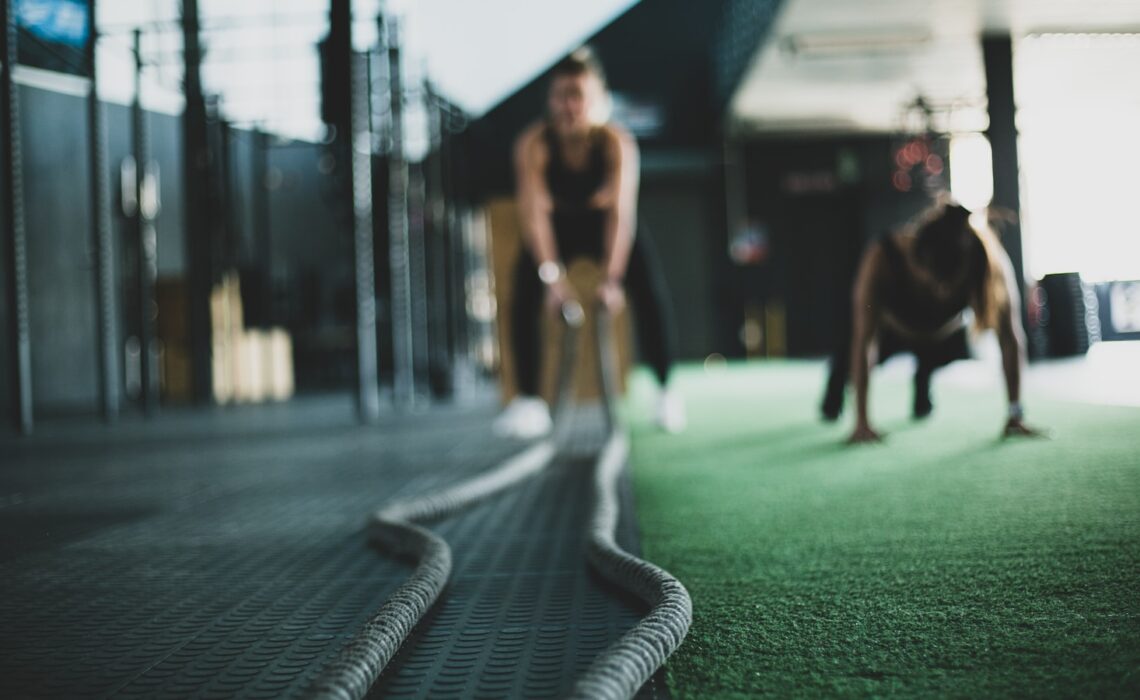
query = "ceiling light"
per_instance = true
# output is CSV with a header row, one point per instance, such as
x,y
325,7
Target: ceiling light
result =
x,y
823,44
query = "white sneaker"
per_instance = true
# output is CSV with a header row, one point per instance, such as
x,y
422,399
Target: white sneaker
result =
x,y
671,416
525,417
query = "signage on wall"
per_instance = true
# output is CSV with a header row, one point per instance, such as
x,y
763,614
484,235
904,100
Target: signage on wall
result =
x,y
824,180
53,34
809,182
57,21
644,118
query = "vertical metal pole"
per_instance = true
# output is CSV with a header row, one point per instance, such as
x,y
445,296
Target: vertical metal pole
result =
x,y
442,356
456,298
12,196
262,233
997,54
461,352
351,118
196,163
418,260
736,197
224,189
145,240
452,239
101,234
361,160
404,381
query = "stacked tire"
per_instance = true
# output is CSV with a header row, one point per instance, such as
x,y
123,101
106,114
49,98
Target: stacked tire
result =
x,y
1065,314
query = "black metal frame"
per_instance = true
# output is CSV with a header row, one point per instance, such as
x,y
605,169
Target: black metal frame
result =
x,y
109,379
12,205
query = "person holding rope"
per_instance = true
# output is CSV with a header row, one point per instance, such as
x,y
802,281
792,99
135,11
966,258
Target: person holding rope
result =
x,y
577,177
914,292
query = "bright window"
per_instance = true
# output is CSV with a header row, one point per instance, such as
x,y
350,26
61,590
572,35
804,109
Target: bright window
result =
x,y
1078,100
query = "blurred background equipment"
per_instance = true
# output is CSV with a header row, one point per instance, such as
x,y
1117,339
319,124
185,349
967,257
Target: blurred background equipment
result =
x,y
1068,314
249,365
235,253
341,160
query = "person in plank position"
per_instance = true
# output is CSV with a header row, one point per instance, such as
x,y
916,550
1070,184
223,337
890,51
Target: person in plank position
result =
x,y
914,292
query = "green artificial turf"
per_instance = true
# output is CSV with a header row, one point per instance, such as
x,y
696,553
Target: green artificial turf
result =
x,y
942,563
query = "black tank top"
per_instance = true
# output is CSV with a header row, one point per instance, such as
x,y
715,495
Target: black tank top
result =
x,y
571,188
911,303
578,227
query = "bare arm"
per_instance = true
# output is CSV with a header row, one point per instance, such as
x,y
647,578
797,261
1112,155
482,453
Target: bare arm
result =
x,y
865,319
618,197
1011,338
535,207
533,197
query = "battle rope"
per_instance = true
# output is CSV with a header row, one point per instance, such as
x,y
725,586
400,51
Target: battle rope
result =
x,y
619,671
359,664
393,529
629,663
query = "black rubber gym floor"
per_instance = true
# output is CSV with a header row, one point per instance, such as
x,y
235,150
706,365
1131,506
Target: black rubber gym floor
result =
x,y
222,554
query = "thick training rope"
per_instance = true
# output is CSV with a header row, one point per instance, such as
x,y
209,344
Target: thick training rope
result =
x,y
393,529
627,664
359,664
619,671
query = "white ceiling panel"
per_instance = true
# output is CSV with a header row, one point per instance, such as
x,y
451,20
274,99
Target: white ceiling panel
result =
x,y
842,66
